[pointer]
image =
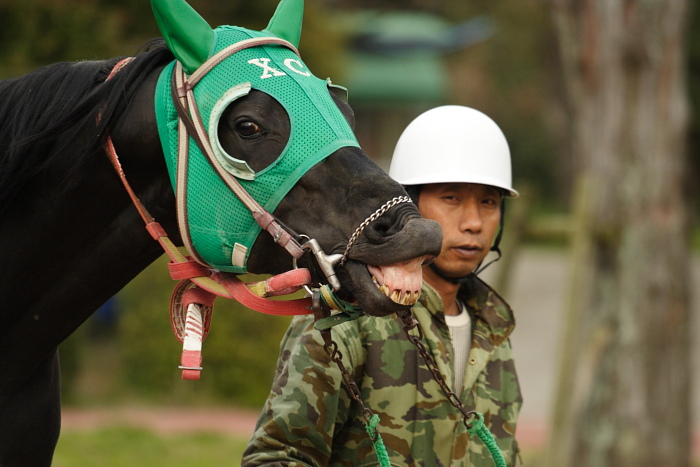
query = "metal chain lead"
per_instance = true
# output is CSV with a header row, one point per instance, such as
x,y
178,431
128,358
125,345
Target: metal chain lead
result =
x,y
378,213
409,322
336,356
322,311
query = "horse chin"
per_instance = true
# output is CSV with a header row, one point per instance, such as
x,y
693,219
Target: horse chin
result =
x,y
369,294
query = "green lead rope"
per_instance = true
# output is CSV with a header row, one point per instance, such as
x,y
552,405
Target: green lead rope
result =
x,y
379,448
477,427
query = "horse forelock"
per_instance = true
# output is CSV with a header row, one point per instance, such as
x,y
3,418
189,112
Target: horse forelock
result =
x,y
48,118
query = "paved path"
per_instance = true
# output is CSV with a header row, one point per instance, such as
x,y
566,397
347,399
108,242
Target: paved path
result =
x,y
166,420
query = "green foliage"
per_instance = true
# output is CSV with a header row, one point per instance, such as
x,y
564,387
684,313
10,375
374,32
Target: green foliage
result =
x,y
149,349
119,446
510,77
35,33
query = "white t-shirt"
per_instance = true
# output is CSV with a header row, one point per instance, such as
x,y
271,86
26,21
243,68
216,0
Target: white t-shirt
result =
x,y
461,334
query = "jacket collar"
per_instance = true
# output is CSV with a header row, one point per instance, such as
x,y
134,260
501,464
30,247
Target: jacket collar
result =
x,y
492,317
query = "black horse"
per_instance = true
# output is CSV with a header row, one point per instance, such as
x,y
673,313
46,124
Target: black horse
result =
x,y
70,237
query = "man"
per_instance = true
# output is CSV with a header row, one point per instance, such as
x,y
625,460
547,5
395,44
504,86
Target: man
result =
x,y
455,163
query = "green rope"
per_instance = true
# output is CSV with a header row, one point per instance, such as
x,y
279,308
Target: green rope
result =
x,y
379,448
477,427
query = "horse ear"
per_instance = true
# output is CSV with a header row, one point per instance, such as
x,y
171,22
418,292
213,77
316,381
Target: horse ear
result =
x,y
286,22
188,35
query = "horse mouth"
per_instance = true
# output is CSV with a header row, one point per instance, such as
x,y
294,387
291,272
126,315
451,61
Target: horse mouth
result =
x,y
401,282
381,290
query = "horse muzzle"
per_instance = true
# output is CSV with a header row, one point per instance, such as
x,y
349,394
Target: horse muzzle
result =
x,y
386,276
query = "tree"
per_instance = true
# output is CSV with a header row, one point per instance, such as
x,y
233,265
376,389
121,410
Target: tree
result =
x,y
624,389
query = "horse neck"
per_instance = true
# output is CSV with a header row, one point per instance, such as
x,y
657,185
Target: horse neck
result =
x,y
68,251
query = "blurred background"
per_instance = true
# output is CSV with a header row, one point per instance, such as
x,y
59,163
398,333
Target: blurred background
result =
x,y
599,103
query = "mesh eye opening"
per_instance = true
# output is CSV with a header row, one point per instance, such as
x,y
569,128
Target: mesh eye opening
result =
x,y
236,167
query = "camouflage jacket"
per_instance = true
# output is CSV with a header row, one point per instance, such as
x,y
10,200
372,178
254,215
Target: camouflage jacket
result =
x,y
310,419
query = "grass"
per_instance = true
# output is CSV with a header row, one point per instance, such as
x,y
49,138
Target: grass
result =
x,y
120,446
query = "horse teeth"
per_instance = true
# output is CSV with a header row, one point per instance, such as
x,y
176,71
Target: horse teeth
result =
x,y
396,296
401,297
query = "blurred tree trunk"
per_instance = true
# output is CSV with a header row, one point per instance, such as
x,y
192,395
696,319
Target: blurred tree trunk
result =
x,y
623,397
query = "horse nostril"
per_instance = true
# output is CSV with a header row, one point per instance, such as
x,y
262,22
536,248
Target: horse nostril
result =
x,y
379,230
389,220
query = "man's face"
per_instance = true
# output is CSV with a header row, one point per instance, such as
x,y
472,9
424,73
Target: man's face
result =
x,y
469,215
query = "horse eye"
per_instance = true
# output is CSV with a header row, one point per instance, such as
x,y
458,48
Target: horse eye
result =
x,y
248,129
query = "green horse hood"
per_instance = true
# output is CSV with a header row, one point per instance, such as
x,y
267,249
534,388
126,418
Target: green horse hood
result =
x,y
220,228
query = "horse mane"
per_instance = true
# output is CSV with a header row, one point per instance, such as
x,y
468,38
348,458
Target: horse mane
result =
x,y
49,117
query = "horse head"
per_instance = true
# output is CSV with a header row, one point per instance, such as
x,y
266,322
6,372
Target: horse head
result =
x,y
248,130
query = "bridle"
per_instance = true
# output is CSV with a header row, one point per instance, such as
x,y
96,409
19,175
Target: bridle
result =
x,y
190,124
193,297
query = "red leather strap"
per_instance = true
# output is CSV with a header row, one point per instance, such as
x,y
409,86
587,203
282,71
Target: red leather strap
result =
x,y
240,292
187,270
156,231
184,294
198,296
191,330
279,234
191,361
287,282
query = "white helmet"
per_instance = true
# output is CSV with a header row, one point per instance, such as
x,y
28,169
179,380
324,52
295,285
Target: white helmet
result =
x,y
453,144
